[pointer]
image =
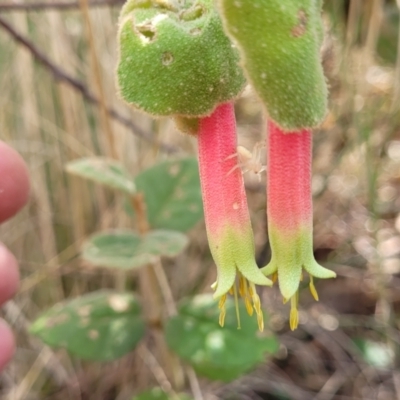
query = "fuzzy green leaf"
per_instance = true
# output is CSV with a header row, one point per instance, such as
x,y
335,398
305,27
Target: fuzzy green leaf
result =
x,y
126,249
172,194
99,326
104,171
214,352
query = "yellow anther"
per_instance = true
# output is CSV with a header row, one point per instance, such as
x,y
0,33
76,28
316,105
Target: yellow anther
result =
x,y
242,286
257,303
294,319
222,300
222,317
313,290
247,291
294,313
260,321
251,289
249,306
274,277
237,305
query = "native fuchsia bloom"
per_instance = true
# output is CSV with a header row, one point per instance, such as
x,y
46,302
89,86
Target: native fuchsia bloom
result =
x,y
229,230
289,210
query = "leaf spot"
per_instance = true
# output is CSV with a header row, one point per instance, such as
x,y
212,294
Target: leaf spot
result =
x,y
195,31
118,303
194,208
301,27
167,58
84,311
93,334
57,320
174,169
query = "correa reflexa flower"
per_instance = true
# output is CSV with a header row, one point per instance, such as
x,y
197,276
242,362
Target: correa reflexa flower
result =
x,y
290,216
229,230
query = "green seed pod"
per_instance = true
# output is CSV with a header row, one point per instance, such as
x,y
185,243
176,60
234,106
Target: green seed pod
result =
x,y
280,42
176,61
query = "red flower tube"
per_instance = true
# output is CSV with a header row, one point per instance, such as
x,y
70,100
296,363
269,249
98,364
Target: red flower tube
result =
x,y
290,213
228,225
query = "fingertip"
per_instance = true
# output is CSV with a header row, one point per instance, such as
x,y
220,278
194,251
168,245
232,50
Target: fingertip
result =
x,y
14,182
7,344
9,274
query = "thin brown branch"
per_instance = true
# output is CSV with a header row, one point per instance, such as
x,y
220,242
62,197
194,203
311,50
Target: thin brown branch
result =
x,y
56,5
60,75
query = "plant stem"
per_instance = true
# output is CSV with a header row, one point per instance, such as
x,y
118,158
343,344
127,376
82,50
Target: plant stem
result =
x,y
154,284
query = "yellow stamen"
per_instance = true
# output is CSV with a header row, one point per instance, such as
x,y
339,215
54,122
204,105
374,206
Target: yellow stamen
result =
x,y
257,307
242,286
221,306
313,290
222,317
249,306
222,300
247,291
237,305
294,313
274,277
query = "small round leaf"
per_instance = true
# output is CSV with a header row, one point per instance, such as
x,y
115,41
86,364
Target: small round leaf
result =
x,y
214,352
100,326
106,172
172,194
126,249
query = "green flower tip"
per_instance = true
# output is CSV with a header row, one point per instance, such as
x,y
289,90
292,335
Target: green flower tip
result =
x,y
240,280
289,274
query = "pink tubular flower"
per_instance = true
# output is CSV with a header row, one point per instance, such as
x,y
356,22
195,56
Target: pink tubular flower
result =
x,y
227,218
289,210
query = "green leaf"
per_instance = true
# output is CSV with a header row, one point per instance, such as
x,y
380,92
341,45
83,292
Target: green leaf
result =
x,y
99,326
214,352
172,194
375,353
126,249
158,394
106,172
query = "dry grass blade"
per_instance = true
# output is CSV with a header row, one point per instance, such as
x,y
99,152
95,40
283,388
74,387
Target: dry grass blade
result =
x,y
56,5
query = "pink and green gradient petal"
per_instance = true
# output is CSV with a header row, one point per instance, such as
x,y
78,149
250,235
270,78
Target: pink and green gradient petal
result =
x,y
226,212
289,211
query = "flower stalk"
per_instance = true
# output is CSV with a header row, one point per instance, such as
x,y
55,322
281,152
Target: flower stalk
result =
x,y
290,214
228,225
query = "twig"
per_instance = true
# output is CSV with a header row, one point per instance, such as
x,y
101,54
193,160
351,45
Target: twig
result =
x,y
62,76
56,5
151,361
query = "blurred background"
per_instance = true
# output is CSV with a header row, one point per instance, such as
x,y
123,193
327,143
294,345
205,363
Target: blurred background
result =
x,y
58,102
